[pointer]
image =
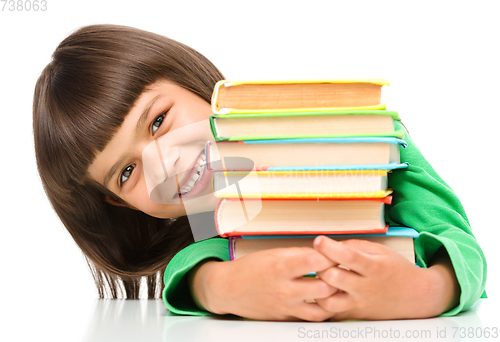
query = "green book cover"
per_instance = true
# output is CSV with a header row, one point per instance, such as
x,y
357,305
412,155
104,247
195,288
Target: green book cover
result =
x,y
215,119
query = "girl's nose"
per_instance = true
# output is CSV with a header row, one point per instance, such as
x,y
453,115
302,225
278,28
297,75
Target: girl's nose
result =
x,y
159,173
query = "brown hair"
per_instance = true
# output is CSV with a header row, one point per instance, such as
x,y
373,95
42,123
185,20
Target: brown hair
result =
x,y
81,99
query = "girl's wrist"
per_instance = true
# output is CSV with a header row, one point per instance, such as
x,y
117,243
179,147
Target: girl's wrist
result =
x,y
445,285
440,285
205,285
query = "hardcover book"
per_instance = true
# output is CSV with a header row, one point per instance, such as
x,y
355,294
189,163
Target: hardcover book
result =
x,y
305,154
400,239
321,124
305,216
301,184
306,95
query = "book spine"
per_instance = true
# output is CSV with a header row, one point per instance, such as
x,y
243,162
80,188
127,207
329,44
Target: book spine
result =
x,y
378,81
390,166
216,217
382,230
232,241
392,231
392,134
385,200
213,128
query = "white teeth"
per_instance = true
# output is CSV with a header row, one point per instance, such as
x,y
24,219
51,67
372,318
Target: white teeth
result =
x,y
196,177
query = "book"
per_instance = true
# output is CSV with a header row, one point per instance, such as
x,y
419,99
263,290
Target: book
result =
x,y
234,127
301,184
400,239
249,216
304,154
232,97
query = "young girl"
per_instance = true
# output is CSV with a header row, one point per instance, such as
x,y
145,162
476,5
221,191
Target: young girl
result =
x,y
109,91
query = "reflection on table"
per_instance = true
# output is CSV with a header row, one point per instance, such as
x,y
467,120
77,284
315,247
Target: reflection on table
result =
x,y
149,320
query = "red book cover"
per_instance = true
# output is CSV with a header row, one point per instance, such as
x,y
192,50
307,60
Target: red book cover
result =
x,y
236,232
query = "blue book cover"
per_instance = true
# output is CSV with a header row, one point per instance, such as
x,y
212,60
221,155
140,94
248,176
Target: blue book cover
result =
x,y
400,239
356,153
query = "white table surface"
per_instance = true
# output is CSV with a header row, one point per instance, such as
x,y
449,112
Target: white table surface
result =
x,y
148,320
77,319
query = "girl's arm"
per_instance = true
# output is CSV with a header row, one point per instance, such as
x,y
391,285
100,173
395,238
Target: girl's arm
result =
x,y
453,276
422,200
176,293
265,285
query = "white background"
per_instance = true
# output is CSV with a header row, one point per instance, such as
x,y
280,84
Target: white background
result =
x,y
441,57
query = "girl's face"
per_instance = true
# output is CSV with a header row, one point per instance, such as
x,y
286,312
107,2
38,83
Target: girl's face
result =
x,y
160,144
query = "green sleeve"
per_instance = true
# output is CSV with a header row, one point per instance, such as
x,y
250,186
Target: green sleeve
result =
x,y
176,294
423,201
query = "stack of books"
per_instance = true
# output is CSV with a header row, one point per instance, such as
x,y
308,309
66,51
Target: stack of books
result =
x,y
294,159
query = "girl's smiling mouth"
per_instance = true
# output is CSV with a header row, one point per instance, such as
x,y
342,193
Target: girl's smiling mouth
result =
x,y
195,181
192,178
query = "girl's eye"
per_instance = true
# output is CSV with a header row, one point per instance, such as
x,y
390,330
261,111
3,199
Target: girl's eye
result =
x,y
126,173
157,123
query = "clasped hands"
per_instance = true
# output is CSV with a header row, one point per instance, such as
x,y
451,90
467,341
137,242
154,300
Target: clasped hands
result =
x,y
375,283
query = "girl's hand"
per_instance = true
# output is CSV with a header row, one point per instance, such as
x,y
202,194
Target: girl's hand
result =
x,y
265,285
382,284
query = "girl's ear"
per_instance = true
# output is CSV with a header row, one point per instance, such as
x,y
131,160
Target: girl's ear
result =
x,y
118,203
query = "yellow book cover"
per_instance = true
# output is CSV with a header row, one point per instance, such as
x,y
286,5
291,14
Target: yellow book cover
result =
x,y
239,97
302,184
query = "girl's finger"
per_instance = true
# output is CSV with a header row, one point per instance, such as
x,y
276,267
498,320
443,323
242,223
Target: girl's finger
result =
x,y
341,279
309,288
343,254
336,304
306,261
365,246
310,312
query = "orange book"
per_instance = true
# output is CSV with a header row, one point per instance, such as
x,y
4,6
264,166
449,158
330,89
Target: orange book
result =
x,y
250,216
233,97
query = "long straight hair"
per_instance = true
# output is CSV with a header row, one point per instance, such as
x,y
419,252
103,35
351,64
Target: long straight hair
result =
x,y
81,99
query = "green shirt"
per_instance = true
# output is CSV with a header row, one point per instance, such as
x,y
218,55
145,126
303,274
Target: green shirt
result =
x,y
421,200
